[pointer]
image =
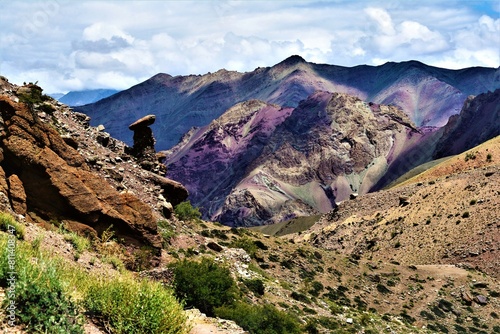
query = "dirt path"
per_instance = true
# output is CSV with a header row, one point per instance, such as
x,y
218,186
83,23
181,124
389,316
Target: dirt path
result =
x,y
206,325
442,270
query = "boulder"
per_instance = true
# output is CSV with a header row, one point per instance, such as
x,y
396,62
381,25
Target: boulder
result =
x,y
17,195
480,299
173,191
143,122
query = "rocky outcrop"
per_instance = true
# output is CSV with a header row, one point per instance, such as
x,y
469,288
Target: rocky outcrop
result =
x,y
144,142
50,178
17,195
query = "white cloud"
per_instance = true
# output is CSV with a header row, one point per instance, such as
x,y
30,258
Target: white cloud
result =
x,y
92,44
409,37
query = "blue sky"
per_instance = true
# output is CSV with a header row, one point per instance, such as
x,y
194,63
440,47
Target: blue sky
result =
x,y
73,45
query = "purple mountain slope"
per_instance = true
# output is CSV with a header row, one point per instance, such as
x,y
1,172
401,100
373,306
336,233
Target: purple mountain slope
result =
x,y
478,122
429,95
259,163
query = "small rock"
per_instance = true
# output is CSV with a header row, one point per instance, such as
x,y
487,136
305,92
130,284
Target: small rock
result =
x,y
404,200
480,299
215,246
101,127
467,297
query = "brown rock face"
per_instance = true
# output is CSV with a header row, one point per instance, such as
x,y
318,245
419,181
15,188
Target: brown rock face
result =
x,y
58,184
17,194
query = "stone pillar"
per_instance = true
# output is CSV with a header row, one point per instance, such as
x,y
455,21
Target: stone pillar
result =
x,y
144,142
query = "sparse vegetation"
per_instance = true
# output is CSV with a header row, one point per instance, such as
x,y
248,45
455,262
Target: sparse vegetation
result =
x,y
51,297
185,211
80,243
10,225
470,156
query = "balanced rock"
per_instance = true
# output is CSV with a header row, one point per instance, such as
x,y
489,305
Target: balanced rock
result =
x,y
144,142
142,122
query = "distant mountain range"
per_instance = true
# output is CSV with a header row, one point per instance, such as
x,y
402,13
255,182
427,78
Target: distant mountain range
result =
x,y
79,98
429,95
296,138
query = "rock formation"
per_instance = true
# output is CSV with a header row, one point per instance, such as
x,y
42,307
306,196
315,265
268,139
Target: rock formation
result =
x,y
144,142
144,146
45,178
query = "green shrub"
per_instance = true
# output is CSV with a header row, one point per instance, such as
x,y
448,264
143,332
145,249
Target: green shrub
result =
x,y
80,243
316,288
10,225
257,319
135,307
52,293
204,285
42,304
255,285
185,211
34,96
470,156
300,297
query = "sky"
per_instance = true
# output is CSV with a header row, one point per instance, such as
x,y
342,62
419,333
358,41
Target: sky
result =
x,y
70,45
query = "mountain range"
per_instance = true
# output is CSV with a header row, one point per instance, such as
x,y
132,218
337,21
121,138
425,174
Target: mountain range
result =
x,y
78,98
297,138
429,95
420,255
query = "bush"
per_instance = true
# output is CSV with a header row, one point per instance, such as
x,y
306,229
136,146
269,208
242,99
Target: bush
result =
x,y
136,307
316,288
80,243
51,293
185,211
204,285
257,319
8,223
470,156
255,285
41,301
